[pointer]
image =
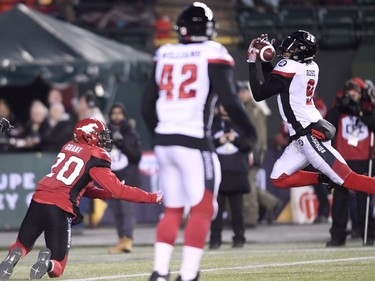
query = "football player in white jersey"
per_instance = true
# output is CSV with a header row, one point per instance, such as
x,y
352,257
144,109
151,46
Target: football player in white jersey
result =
x,y
294,81
178,106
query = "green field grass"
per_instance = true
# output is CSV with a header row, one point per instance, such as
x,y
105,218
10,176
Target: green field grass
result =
x,y
256,261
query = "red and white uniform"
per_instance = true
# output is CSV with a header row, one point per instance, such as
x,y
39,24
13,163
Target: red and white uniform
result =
x,y
184,86
294,83
72,175
182,95
298,108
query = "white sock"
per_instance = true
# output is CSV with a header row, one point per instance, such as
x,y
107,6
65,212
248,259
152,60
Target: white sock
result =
x,y
191,259
162,256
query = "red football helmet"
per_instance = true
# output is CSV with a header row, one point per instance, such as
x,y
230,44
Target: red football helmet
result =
x,y
93,132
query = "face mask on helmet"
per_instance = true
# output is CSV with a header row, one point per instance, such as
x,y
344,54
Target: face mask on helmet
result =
x,y
93,132
196,24
300,46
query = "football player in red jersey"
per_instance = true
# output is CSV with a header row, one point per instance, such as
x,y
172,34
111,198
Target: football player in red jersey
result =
x,y
53,208
294,81
178,106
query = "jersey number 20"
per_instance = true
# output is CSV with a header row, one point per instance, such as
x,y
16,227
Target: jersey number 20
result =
x,y
73,164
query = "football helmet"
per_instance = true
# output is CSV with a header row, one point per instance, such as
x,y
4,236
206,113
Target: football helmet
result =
x,y
93,132
196,23
300,46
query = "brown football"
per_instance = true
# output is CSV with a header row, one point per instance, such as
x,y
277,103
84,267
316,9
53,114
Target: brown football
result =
x,y
265,51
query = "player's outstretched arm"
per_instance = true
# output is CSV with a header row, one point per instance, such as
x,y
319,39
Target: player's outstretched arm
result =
x,y
5,125
113,188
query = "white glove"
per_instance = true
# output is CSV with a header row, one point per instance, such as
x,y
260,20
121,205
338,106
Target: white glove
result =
x,y
159,197
251,53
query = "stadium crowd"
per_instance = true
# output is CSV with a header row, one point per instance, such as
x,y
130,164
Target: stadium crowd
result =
x,y
235,149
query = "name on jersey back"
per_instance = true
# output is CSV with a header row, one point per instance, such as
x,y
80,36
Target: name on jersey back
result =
x,y
173,55
310,72
73,148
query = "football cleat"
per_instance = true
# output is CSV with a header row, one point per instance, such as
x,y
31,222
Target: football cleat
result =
x,y
155,276
41,266
195,279
6,267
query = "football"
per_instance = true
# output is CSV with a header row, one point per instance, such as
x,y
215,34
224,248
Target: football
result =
x,y
265,51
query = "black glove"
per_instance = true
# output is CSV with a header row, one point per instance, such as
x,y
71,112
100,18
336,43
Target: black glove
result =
x,y
78,218
5,126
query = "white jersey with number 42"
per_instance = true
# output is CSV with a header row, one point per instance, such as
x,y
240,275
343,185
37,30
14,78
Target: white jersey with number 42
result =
x,y
184,86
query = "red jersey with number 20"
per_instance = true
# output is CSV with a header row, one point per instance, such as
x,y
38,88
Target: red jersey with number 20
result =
x,y
184,85
72,175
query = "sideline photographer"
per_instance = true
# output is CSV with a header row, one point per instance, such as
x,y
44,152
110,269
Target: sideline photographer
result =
x,y
354,118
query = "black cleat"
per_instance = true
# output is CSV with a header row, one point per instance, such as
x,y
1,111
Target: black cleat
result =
x,y
195,279
335,243
41,266
155,276
6,267
323,179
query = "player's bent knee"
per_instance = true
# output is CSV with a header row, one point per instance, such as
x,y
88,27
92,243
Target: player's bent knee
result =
x,y
57,269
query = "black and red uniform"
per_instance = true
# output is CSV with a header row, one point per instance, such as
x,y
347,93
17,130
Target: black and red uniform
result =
x,y
53,208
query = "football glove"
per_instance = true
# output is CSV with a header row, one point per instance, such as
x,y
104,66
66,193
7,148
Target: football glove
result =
x,y
78,218
251,54
157,197
5,126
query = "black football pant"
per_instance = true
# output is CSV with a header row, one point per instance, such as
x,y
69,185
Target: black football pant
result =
x,y
54,222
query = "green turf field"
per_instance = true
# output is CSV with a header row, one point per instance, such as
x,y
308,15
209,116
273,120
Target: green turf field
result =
x,y
268,262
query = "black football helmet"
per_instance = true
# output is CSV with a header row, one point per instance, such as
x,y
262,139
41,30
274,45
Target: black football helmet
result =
x,y
196,23
300,46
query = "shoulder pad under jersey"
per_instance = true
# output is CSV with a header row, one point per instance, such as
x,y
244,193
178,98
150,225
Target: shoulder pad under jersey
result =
x,y
217,53
100,153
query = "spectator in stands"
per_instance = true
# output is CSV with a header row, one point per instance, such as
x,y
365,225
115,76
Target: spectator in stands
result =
x,y
233,149
88,106
57,128
354,117
30,140
258,199
126,155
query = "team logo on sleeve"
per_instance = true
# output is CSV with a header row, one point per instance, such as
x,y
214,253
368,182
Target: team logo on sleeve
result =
x,y
282,63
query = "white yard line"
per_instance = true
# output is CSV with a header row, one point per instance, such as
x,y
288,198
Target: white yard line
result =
x,y
354,259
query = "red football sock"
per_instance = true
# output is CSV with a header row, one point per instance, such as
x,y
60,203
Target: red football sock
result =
x,y
167,229
58,268
299,178
199,222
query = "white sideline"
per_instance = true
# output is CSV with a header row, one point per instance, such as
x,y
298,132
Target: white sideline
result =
x,y
235,268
